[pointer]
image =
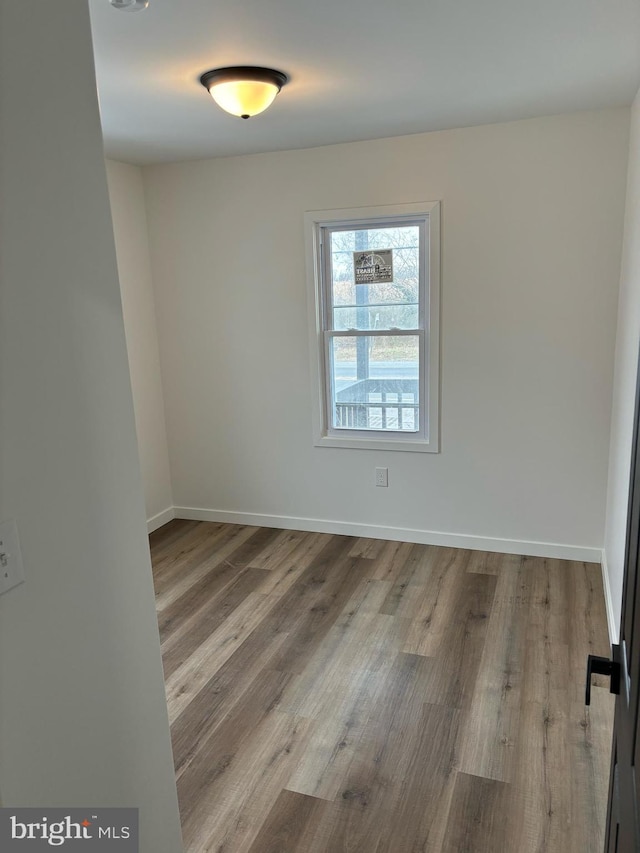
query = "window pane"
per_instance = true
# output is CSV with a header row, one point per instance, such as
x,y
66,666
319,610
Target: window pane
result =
x,y
374,382
377,304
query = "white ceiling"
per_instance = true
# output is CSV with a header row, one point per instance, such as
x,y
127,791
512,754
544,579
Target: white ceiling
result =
x,y
360,69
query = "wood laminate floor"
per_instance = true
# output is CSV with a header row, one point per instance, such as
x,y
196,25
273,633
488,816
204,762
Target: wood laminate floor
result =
x,y
328,694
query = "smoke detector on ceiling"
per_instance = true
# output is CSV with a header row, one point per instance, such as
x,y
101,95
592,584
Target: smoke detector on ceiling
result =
x,y
130,5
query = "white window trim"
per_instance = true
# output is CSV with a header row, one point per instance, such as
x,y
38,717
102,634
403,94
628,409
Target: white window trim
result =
x,y
315,220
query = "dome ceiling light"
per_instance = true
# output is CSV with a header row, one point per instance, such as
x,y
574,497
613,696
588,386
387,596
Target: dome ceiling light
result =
x,y
243,90
130,5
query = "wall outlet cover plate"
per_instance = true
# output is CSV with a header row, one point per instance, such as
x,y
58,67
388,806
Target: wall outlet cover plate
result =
x,y
382,476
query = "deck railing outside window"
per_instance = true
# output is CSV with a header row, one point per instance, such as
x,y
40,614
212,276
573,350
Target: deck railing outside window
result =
x,y
378,404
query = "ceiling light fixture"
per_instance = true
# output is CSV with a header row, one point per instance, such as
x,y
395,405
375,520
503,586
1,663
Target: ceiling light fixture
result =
x,y
130,5
243,90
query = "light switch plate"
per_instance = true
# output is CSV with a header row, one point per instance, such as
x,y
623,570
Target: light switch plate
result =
x,y
11,573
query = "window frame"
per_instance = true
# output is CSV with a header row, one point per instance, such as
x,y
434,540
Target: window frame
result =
x,y
427,216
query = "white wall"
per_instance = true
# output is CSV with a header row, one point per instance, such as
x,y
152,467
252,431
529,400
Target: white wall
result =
x,y
132,249
626,365
83,719
532,228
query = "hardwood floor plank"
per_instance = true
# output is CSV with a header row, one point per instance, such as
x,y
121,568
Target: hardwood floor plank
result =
x,y
185,682
187,551
544,793
315,600
335,739
394,808
390,561
208,616
231,810
370,549
217,752
192,565
278,549
485,562
286,573
210,578
342,688
477,817
417,815
357,644
289,820
589,751
165,537
414,572
489,740
435,604
376,782
307,635
453,673
222,692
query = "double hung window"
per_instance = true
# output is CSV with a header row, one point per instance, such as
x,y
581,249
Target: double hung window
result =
x,y
374,275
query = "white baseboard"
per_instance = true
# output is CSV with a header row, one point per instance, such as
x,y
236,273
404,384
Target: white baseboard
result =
x,y
161,518
552,550
611,619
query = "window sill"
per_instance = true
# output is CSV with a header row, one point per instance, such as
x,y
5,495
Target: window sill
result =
x,y
352,443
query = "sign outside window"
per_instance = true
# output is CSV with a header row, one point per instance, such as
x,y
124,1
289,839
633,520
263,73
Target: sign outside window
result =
x,y
373,267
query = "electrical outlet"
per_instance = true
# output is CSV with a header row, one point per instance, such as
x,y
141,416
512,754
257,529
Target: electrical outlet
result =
x,y
11,573
382,476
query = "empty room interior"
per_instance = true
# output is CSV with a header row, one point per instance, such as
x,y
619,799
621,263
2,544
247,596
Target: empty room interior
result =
x,y
319,337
